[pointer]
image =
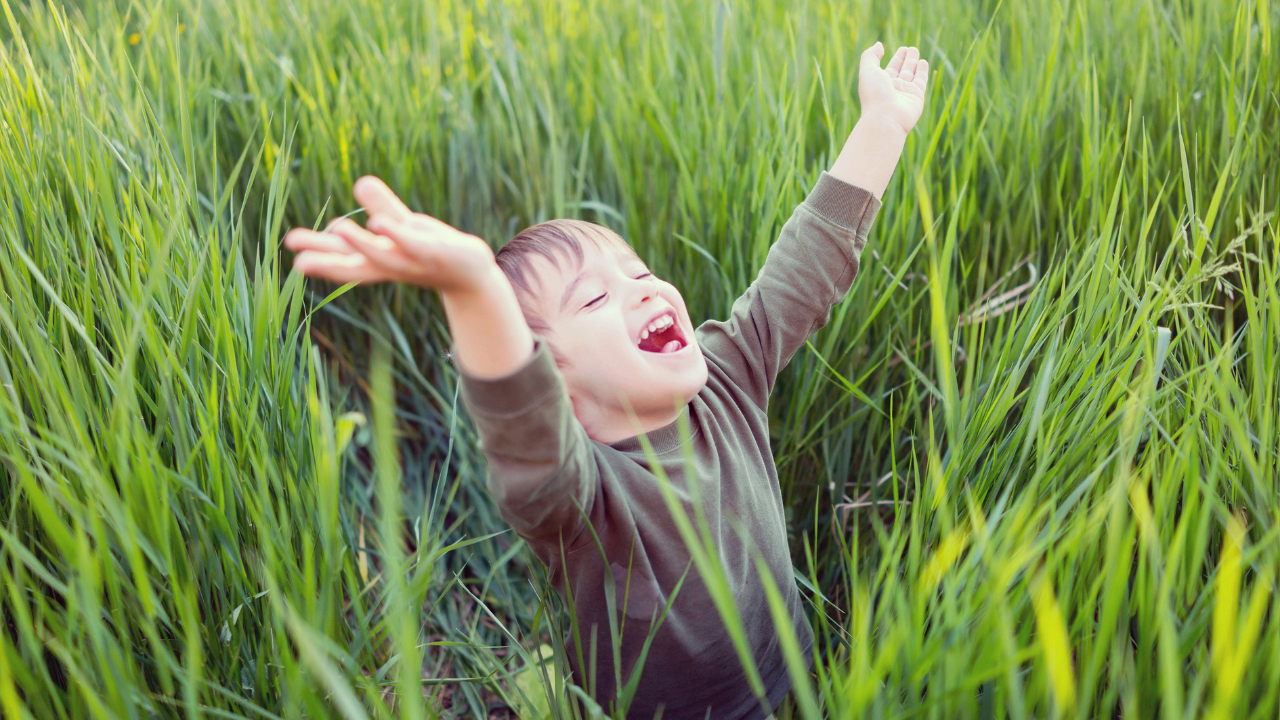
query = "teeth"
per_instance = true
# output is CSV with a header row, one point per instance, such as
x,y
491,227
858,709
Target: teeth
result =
x,y
658,325
661,323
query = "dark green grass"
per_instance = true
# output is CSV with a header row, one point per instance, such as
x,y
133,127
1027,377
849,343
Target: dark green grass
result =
x,y
1030,464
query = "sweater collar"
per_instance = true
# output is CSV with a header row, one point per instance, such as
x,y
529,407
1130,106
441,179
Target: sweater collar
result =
x,y
663,440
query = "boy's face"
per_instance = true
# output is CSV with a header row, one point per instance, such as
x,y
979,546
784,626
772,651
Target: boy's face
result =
x,y
620,333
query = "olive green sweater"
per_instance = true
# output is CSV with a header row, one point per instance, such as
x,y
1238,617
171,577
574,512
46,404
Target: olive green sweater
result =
x,y
543,468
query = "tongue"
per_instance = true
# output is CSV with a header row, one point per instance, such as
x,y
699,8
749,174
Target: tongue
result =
x,y
670,347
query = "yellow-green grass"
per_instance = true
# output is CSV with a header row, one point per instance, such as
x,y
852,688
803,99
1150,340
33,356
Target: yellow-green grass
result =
x,y
227,492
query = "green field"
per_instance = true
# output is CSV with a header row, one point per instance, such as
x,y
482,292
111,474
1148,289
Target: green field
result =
x,y
1032,465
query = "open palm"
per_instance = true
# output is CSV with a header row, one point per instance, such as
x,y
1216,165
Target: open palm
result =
x,y
398,246
895,93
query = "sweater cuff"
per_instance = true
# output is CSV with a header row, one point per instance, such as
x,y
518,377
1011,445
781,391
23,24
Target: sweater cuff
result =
x,y
846,205
525,388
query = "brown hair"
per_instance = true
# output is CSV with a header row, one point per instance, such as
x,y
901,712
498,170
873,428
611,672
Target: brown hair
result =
x,y
554,240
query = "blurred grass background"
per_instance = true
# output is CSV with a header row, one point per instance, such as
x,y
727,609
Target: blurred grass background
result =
x,y
1030,465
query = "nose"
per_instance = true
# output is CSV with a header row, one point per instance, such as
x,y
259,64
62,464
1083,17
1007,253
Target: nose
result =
x,y
647,290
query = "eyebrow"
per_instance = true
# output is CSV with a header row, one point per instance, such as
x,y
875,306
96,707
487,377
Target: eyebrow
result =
x,y
568,292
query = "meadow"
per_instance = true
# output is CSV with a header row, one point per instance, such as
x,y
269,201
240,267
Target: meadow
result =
x,y
1032,465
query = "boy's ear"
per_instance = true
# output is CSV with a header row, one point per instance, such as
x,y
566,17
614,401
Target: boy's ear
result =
x,y
557,357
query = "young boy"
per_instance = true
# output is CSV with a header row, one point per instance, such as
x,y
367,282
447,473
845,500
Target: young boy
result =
x,y
568,348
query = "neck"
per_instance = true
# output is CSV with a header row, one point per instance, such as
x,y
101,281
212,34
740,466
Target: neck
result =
x,y
614,424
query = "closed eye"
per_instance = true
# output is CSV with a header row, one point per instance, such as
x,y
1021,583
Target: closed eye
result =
x,y
602,297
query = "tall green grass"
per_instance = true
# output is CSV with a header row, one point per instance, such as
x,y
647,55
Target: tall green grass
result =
x,y
1030,465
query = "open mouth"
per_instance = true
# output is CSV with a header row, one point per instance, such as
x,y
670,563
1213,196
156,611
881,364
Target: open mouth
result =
x,y
662,335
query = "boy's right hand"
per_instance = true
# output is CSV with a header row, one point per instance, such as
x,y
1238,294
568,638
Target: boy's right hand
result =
x,y
398,246
490,336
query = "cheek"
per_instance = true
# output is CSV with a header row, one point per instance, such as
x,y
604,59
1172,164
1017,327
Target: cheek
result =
x,y
672,294
595,333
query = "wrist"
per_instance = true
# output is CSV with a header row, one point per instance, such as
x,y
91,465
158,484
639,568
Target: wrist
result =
x,y
880,130
487,294
871,154
479,283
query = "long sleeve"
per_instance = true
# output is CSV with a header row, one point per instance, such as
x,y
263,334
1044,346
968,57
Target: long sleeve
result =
x,y
808,270
541,464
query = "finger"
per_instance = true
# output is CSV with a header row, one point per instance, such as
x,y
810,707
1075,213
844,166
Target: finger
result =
x,y
376,198
299,239
385,225
433,250
338,268
922,75
871,56
895,65
909,65
381,251
415,240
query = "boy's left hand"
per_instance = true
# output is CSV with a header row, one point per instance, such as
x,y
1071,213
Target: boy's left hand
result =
x,y
894,94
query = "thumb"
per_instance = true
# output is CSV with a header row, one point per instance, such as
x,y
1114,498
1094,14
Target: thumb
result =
x,y
376,198
871,57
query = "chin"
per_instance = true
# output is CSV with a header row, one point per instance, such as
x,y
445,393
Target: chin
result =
x,y
697,379
684,386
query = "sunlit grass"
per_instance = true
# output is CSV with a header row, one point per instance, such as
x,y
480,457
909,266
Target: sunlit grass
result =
x,y
1030,464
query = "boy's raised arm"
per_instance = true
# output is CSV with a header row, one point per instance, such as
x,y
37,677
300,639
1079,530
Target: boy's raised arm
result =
x,y
541,470
892,100
816,257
